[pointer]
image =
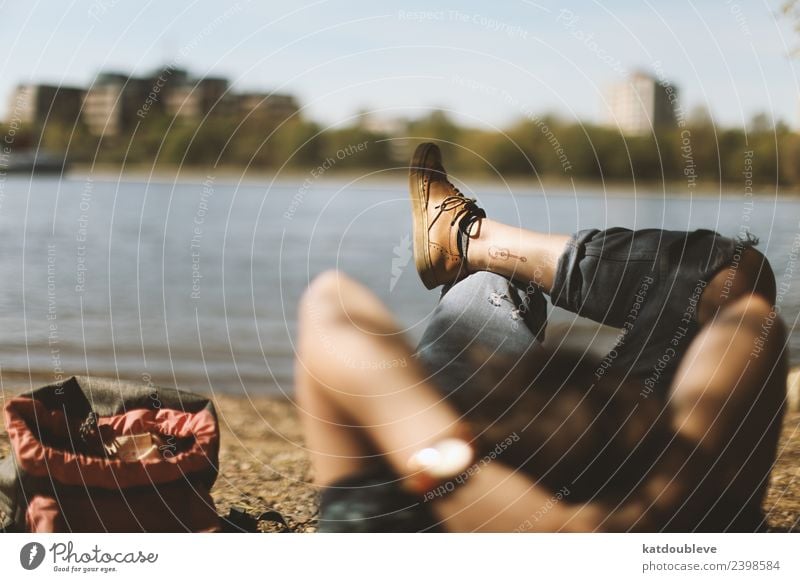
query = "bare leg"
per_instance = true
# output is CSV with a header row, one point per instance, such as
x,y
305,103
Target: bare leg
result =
x,y
355,369
527,255
515,253
752,274
727,401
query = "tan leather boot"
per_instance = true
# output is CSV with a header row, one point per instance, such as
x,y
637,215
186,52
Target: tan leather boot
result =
x,y
442,217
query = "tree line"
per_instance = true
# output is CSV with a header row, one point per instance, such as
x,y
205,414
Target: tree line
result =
x,y
546,148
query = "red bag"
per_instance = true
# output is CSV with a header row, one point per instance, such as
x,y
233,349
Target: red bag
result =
x,y
95,455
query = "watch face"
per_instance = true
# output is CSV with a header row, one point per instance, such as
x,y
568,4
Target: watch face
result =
x,y
444,459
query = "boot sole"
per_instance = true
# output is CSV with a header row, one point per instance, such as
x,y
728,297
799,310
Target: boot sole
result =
x,y
422,258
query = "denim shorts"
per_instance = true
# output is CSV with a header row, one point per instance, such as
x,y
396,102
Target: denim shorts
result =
x,y
648,284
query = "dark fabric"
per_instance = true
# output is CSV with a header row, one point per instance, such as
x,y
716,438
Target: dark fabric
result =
x,y
80,394
373,501
646,282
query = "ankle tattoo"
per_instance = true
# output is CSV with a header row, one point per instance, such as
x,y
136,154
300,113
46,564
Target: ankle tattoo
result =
x,y
503,254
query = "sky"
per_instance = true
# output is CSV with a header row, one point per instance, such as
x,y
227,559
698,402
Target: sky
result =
x,y
487,63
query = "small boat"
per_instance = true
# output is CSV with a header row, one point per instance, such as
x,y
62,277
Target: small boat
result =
x,y
35,162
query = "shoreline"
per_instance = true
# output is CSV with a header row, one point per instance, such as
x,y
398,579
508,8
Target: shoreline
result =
x,y
295,177
16,382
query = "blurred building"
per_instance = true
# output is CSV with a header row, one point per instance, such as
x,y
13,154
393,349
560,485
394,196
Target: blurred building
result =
x,y
35,104
111,103
116,102
196,99
641,103
270,107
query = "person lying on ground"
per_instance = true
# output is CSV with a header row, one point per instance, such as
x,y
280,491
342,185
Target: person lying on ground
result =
x,y
483,429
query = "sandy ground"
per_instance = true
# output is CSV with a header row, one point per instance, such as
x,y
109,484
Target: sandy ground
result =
x,y
782,504
264,465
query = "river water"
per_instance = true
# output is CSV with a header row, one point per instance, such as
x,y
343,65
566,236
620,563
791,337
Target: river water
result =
x,y
196,282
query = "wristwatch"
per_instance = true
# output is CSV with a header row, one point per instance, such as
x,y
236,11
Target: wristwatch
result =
x,y
439,463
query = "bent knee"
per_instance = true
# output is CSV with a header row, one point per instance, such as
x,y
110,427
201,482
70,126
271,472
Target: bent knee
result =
x,y
757,277
320,295
751,276
322,286
323,298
